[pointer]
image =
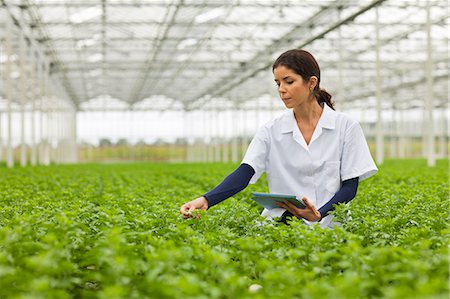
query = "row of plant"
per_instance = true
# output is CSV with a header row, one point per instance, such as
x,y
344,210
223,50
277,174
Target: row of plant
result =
x,y
114,231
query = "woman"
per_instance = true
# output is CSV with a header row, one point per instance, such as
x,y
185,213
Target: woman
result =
x,y
311,150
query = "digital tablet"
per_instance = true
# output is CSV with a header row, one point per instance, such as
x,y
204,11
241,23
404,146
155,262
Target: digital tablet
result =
x,y
268,200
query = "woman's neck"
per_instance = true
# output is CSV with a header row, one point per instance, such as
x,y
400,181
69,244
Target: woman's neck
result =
x,y
308,113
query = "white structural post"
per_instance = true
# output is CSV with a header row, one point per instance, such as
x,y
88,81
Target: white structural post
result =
x,y
64,122
444,132
41,96
192,142
8,91
201,138
22,86
130,133
73,136
61,125
197,119
57,125
408,133
244,131
191,139
340,99
393,131
208,135
52,125
211,136
186,136
42,115
235,133
379,125
225,144
45,106
217,135
401,134
429,130
204,157
33,98
49,123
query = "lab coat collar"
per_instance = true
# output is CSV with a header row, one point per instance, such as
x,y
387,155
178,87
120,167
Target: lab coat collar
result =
x,y
327,120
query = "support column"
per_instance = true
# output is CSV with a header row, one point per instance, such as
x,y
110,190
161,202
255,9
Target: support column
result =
x,y
204,151
33,98
40,97
131,156
58,126
340,99
73,137
8,91
52,123
210,149
211,136
393,133
217,137
444,132
23,82
187,155
244,141
401,135
429,128
225,144
235,134
45,119
379,125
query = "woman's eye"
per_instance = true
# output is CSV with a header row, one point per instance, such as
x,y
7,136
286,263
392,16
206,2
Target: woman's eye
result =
x,y
289,82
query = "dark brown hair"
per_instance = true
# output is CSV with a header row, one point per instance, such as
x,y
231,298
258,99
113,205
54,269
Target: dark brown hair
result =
x,y
305,65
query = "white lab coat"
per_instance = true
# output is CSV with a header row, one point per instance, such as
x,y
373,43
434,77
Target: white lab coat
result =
x,y
337,152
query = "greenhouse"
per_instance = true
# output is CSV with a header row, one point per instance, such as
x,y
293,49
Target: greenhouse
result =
x,y
115,113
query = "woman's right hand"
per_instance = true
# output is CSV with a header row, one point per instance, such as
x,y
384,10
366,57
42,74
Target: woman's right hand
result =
x,y
198,203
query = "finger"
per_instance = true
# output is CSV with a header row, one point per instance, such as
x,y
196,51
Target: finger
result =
x,y
310,206
282,205
185,216
287,207
290,205
293,209
308,203
185,211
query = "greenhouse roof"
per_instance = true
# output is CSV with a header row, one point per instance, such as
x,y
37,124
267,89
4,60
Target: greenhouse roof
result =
x,y
179,54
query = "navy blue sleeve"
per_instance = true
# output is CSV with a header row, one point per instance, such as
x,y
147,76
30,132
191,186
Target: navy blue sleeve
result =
x,y
232,184
344,195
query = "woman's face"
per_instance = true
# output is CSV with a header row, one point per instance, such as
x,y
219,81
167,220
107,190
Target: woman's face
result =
x,y
293,90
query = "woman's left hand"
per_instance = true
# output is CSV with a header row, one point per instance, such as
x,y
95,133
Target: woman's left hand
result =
x,y
309,213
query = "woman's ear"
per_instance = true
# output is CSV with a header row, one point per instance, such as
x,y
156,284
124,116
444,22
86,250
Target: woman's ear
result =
x,y
313,81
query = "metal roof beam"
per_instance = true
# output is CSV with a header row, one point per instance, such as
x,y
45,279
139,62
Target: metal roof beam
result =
x,y
395,87
209,23
163,4
171,15
50,50
262,60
